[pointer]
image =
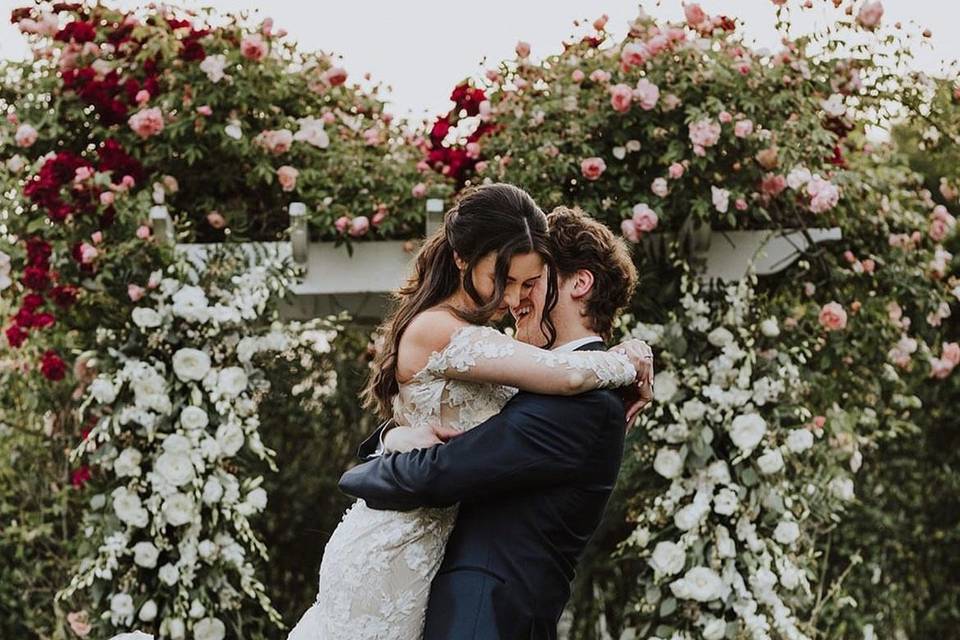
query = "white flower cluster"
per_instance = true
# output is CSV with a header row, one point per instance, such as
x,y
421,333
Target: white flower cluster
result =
x,y
178,425
726,536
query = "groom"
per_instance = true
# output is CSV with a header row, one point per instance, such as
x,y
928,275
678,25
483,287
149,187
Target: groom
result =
x,y
532,481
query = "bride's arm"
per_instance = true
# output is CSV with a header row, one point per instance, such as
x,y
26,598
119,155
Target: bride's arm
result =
x,y
482,354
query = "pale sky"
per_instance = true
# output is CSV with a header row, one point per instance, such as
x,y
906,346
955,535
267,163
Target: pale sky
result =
x,y
422,48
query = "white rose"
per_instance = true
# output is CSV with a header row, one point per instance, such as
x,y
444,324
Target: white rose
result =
x,y
121,609
693,410
197,610
770,462
726,502
665,386
175,467
232,381
747,430
668,463
191,364
169,574
210,449
668,558
127,463
209,629
720,337
148,612
834,105
146,318
714,628
213,66
798,177
700,583
770,328
721,198
16,163
230,438
786,532
842,488
212,491
194,418
799,440
129,508
208,550
145,555
178,509
223,314
190,303
102,390
719,472
176,443
174,628
690,516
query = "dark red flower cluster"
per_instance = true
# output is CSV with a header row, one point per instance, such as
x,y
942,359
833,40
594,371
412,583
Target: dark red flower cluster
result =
x,y
77,31
192,50
45,188
52,366
80,476
37,277
455,161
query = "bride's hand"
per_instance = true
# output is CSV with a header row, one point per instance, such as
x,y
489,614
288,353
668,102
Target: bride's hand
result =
x,y
641,356
403,439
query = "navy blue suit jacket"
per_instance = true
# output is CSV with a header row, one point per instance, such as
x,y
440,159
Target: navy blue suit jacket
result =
x,y
533,482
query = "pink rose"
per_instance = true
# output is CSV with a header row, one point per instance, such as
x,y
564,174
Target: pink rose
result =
x,y
88,253
740,204
143,232
342,224
276,142
634,54
823,195
135,292
599,76
335,76
659,187
371,137
481,166
620,97
359,226
25,136
704,133
378,217
629,230
253,47
647,94
592,168
951,352
773,184
694,14
870,14
743,128
419,190
473,150
142,97
216,220
328,117
82,174
287,176
657,43
523,49
205,110
147,122
601,22
644,218
940,368
107,198
724,117
577,76
675,171
833,317
79,623
97,237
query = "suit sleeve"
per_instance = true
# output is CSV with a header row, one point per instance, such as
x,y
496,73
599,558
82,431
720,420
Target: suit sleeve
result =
x,y
535,441
372,446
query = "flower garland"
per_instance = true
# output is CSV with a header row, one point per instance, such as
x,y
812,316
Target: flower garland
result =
x,y
175,443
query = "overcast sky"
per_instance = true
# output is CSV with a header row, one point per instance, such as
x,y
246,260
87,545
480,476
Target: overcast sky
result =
x,y
422,48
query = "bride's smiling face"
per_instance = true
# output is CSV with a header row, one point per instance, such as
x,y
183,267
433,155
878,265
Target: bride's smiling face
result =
x,y
525,270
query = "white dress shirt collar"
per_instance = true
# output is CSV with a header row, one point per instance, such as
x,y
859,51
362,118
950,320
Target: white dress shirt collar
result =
x,y
573,345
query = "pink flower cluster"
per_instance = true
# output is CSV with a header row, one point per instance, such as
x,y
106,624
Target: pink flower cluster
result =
x,y
147,122
644,220
833,317
824,195
703,133
949,358
592,168
275,141
941,223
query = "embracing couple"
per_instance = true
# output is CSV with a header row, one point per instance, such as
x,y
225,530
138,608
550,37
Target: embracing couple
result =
x,y
480,493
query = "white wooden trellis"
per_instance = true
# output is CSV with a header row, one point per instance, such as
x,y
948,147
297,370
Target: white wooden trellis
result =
x,y
334,280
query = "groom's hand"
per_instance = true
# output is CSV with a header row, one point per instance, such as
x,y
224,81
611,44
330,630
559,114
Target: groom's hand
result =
x,y
635,399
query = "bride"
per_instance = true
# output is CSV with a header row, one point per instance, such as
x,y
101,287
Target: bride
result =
x,y
442,367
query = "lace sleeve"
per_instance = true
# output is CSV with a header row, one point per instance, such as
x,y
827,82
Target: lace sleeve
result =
x,y
483,354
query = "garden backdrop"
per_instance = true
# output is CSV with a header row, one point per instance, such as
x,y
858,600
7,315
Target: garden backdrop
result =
x,y
171,433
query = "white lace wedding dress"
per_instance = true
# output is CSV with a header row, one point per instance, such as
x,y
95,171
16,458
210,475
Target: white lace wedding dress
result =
x,y
377,567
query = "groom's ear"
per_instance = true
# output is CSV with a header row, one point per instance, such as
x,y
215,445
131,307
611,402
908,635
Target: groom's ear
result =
x,y
582,284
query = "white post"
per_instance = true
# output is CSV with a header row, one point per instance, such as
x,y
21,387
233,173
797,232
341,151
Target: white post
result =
x,y
161,224
434,215
299,234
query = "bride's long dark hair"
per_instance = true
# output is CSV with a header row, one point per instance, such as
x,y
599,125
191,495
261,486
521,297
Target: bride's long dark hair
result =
x,y
495,218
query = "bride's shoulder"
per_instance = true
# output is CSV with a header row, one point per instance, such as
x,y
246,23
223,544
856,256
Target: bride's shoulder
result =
x,y
429,332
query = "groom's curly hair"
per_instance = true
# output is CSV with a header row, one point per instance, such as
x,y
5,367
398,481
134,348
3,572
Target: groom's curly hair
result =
x,y
580,242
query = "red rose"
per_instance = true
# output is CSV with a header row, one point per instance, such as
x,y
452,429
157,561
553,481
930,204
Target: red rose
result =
x,y
80,476
63,295
77,31
15,336
439,131
38,252
36,278
192,51
115,159
32,300
43,320
24,318
52,366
